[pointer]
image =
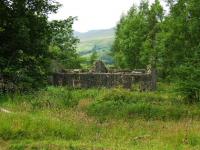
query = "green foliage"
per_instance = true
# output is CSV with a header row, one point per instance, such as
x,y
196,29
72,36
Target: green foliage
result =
x,y
126,47
193,139
93,57
14,126
119,103
188,83
169,43
1,29
151,51
135,44
63,44
183,50
102,49
24,41
31,47
99,41
132,32
51,97
159,120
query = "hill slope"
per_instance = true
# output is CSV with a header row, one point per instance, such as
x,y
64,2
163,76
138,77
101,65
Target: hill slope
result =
x,y
96,40
95,34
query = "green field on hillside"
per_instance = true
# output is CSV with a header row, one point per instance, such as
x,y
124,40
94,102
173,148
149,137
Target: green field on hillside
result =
x,y
98,40
58,118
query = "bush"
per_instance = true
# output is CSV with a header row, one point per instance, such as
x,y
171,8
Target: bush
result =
x,y
62,95
189,84
120,103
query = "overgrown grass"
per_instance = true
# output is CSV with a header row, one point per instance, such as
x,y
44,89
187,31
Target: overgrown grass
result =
x,y
23,126
48,98
79,119
120,103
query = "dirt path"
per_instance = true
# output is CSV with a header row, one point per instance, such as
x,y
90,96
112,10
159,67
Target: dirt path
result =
x,y
5,110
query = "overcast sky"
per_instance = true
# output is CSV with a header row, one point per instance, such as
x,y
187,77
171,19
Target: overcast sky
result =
x,y
94,14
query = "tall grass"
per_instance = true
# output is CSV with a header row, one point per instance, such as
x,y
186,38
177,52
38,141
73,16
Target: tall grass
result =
x,y
120,103
64,118
51,97
23,126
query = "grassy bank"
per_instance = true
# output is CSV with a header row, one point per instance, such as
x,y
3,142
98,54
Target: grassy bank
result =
x,y
62,118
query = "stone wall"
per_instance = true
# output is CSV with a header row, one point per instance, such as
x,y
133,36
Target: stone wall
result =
x,y
101,77
88,80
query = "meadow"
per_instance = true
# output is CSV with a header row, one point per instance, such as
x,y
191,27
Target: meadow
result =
x,y
57,118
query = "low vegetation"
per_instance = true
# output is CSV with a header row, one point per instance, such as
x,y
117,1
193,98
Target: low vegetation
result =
x,y
64,118
35,115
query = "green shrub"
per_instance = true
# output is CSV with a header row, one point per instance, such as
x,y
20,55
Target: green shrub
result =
x,y
189,84
62,95
109,103
120,103
194,140
117,95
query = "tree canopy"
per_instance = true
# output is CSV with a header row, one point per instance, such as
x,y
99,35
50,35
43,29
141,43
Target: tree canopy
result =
x,y
170,43
25,38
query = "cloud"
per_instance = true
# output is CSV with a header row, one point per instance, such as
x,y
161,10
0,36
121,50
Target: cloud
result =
x,y
93,14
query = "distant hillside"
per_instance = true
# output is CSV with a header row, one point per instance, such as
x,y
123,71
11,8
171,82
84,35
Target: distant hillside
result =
x,y
96,40
95,34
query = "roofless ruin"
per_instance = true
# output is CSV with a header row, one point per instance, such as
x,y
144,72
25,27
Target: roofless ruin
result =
x,y
100,76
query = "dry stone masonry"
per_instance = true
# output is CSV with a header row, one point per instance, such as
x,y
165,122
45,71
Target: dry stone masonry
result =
x,y
100,76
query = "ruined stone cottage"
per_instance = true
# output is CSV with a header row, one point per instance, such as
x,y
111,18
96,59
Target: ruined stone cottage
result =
x,y
100,76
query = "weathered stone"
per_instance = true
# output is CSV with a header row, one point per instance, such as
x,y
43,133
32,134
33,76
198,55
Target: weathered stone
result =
x,y
99,77
99,67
